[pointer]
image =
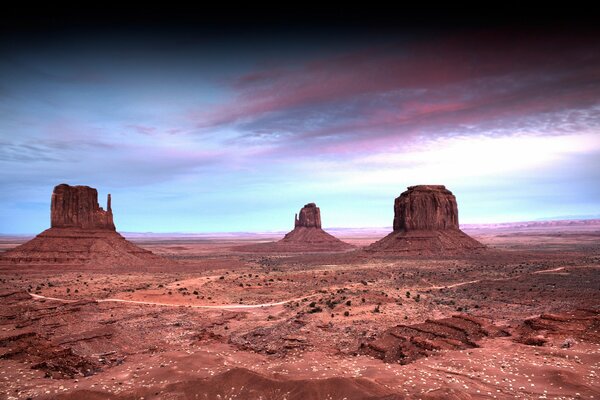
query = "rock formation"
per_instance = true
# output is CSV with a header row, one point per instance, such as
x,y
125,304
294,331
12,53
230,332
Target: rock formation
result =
x,y
81,233
404,344
426,222
307,236
425,207
310,217
77,207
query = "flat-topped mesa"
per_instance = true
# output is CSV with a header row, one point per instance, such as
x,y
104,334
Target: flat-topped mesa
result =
x,y
426,223
77,207
310,217
425,207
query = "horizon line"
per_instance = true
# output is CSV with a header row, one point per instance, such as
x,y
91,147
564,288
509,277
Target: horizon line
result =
x,y
390,228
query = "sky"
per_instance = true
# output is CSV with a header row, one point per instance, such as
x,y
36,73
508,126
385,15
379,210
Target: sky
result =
x,y
229,130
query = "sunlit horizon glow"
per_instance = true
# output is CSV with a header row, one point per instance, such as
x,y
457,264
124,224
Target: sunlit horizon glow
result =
x,y
226,135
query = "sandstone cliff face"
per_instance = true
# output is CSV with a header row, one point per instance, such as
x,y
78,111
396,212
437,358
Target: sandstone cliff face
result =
x,y
77,207
310,216
425,207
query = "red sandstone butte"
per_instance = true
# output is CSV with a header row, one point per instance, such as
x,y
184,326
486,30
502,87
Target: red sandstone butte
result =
x,y
77,207
426,207
426,222
81,234
310,217
307,236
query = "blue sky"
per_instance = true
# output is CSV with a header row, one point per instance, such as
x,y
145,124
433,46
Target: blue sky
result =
x,y
216,134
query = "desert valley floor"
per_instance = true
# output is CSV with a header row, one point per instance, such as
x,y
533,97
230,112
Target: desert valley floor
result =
x,y
520,320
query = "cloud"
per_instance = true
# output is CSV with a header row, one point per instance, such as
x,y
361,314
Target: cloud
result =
x,y
142,129
421,90
86,161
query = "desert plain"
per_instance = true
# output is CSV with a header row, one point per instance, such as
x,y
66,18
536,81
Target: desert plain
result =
x,y
519,320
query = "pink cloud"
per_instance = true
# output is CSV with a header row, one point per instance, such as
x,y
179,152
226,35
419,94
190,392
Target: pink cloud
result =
x,y
444,64
395,95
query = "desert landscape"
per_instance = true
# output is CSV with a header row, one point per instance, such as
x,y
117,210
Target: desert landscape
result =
x,y
202,201
510,311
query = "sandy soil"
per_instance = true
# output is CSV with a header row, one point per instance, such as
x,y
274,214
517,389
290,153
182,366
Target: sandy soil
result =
x,y
227,325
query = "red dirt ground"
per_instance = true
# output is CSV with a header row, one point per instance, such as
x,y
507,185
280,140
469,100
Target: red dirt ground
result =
x,y
520,320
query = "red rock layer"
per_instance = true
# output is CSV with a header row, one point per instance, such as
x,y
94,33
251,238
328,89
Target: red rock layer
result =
x,y
407,343
426,242
564,329
68,247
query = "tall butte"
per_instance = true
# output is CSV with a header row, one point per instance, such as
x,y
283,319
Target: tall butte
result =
x,y
77,207
307,236
426,222
81,234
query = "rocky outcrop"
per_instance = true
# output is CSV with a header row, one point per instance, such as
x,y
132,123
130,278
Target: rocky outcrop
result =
x,y
425,207
77,207
426,222
81,234
404,344
307,236
310,217
563,329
